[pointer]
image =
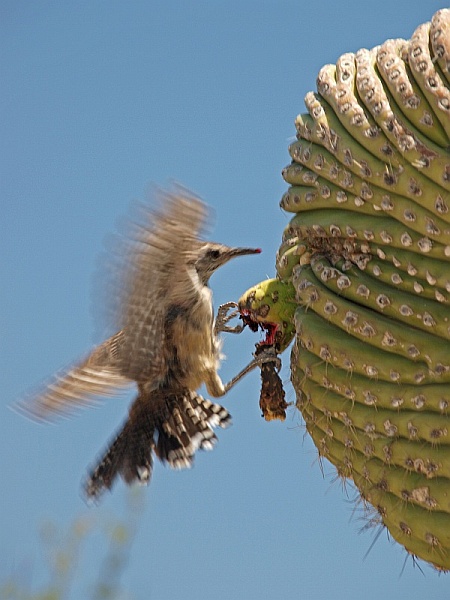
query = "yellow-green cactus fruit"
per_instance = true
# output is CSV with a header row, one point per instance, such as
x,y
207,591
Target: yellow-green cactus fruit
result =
x,y
363,280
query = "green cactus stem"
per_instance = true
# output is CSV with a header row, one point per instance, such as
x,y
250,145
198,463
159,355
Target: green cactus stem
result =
x,y
320,193
390,275
427,76
372,327
397,77
331,223
412,456
440,41
340,349
409,486
433,398
368,173
427,315
363,282
407,424
426,533
420,152
435,274
391,491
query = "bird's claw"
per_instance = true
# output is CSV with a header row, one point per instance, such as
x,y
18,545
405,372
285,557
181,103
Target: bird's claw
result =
x,y
267,354
224,316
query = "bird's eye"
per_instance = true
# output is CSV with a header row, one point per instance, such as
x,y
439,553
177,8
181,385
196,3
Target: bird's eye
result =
x,y
214,253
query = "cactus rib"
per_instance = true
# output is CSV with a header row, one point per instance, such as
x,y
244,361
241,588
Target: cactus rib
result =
x,y
430,316
429,397
369,326
431,494
408,424
427,77
440,40
340,349
361,179
398,78
417,150
332,223
413,456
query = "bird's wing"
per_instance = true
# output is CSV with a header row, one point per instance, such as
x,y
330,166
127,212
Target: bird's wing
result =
x,y
147,268
76,386
153,269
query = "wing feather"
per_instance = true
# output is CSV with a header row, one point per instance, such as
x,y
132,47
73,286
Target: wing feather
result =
x,y
149,269
76,386
155,271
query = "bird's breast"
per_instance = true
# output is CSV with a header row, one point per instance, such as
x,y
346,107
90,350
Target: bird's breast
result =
x,y
193,340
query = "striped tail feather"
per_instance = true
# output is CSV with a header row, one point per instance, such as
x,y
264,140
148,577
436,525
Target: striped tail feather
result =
x,y
171,425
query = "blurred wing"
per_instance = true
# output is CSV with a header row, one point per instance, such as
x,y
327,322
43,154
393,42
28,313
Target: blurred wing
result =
x,y
154,269
76,387
150,268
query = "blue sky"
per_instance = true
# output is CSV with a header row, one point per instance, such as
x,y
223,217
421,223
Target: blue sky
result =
x,y
100,100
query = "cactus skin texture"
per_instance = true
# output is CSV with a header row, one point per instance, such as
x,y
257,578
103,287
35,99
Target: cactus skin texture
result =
x,y
363,281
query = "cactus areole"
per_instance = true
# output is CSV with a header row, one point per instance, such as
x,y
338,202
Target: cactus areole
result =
x,y
363,281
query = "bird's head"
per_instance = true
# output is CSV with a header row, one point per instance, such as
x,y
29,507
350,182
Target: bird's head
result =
x,y
211,256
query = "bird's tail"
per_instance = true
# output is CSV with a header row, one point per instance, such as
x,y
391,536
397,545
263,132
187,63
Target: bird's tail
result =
x,y
173,426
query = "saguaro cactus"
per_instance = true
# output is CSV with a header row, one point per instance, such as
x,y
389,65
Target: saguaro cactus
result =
x,y
363,280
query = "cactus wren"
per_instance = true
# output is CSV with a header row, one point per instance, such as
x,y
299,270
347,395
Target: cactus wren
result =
x,y
167,344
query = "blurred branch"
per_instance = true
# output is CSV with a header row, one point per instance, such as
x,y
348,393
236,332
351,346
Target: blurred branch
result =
x,y
63,553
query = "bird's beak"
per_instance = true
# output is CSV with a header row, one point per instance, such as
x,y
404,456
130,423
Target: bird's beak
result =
x,y
243,251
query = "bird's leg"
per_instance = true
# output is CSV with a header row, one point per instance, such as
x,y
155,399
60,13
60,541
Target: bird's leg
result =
x,y
224,316
266,356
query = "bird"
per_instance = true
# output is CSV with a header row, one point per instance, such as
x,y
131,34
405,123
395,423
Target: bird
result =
x,y
166,343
